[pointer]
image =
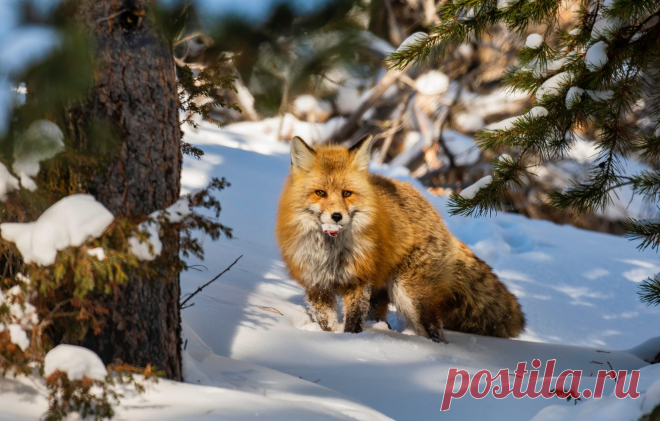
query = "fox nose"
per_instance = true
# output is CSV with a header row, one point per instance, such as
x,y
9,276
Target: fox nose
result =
x,y
336,216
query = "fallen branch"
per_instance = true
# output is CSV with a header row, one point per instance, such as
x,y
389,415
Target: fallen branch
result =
x,y
398,114
199,289
352,122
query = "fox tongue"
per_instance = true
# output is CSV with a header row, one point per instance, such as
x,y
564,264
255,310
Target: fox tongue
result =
x,y
331,229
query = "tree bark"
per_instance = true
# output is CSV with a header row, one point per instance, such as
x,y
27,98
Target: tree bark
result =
x,y
135,97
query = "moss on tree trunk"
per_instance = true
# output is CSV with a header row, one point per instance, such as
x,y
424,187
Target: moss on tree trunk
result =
x,y
134,101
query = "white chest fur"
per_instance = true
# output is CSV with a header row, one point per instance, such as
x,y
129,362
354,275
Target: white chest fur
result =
x,y
326,262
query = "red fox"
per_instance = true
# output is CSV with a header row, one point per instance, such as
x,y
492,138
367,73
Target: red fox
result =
x,y
345,231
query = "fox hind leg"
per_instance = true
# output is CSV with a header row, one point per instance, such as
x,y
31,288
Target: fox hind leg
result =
x,y
323,306
433,327
379,306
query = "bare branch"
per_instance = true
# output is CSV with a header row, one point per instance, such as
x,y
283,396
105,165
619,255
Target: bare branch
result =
x,y
199,289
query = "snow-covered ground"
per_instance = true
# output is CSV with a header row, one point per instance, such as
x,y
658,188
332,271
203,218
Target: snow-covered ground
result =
x,y
253,352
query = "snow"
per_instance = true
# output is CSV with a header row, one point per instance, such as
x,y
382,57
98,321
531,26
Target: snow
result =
x,y
432,83
552,65
42,140
648,350
175,213
18,336
554,85
624,204
8,182
596,56
331,229
604,25
549,267
463,148
472,191
23,315
469,122
534,41
309,105
573,96
538,112
414,39
509,123
505,4
600,95
377,43
141,249
506,124
67,223
348,100
97,252
497,102
611,408
244,359
305,103
77,362
178,211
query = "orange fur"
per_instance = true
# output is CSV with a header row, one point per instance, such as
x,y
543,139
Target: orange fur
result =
x,y
393,246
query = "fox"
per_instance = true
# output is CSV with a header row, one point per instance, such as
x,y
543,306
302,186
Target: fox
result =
x,y
346,232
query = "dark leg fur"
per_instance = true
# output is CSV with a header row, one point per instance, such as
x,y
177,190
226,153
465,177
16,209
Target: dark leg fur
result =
x,y
324,308
432,324
356,306
379,306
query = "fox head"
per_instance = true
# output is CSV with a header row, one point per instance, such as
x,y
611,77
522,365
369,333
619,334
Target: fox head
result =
x,y
331,185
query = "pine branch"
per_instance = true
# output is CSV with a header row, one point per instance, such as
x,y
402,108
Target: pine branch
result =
x,y
649,291
490,198
647,184
648,231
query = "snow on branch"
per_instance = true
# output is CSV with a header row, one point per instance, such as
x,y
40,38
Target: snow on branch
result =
x,y
149,248
68,223
76,362
42,140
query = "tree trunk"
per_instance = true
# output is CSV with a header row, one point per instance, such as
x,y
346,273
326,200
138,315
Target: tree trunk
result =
x,y
134,97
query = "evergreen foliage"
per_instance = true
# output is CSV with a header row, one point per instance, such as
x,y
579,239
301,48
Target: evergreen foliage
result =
x,y
41,306
593,75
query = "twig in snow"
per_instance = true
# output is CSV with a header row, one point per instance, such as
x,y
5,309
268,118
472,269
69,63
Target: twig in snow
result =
x,y
615,375
271,310
199,289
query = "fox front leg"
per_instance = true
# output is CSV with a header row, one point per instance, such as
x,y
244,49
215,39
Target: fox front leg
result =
x,y
356,307
323,306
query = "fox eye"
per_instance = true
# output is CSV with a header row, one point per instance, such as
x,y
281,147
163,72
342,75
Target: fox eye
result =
x,y
321,193
346,193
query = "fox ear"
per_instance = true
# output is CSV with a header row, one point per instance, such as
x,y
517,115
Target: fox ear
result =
x,y
302,155
361,153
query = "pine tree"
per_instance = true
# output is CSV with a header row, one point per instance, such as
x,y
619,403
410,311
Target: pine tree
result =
x,y
592,75
101,118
